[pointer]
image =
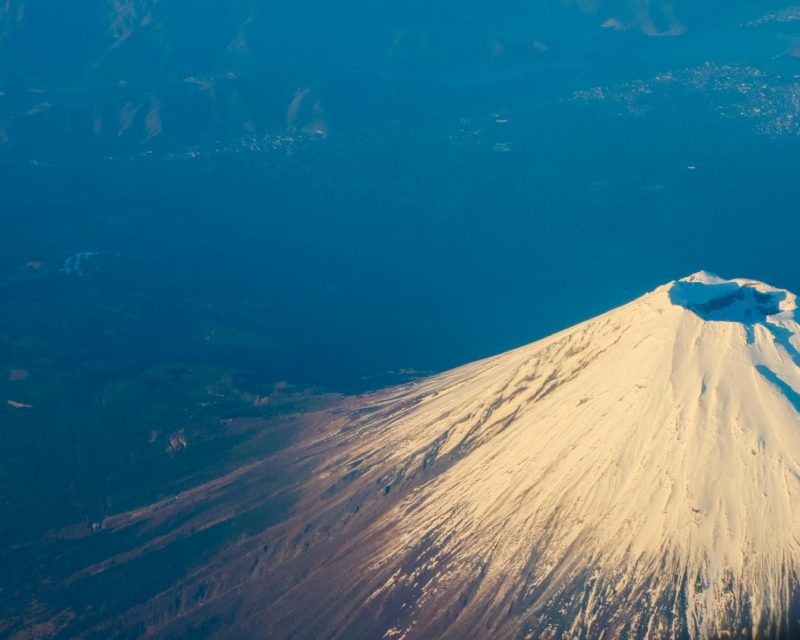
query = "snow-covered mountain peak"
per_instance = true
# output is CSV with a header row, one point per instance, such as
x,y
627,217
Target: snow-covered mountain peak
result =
x,y
703,276
638,473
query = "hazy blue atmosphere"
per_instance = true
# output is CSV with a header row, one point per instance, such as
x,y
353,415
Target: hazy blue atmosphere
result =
x,y
278,201
371,189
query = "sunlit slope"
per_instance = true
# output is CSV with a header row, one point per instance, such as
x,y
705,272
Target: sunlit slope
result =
x,y
638,473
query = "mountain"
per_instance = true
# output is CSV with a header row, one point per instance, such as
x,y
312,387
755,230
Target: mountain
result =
x,y
638,473
634,476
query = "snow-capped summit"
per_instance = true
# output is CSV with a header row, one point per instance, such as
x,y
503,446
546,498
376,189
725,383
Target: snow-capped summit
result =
x,y
635,476
703,276
735,300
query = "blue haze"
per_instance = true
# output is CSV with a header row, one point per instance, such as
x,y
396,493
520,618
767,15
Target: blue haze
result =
x,y
391,223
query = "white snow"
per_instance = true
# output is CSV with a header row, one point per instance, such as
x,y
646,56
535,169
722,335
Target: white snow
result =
x,y
638,473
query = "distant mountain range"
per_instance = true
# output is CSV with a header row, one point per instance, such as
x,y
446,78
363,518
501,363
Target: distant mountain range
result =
x,y
126,75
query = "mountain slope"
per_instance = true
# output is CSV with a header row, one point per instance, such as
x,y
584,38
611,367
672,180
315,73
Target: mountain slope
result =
x,y
635,476
638,473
